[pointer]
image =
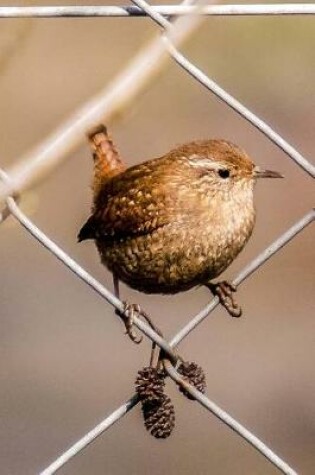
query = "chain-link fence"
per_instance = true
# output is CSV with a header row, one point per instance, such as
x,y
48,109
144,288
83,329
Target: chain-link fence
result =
x,y
177,24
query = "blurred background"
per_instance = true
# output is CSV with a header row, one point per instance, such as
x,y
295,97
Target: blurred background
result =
x,y
65,361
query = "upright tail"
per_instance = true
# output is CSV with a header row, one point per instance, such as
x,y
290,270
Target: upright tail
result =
x,y
107,160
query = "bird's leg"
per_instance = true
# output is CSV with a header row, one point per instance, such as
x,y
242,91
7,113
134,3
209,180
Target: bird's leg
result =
x,y
116,286
224,291
158,331
128,314
130,311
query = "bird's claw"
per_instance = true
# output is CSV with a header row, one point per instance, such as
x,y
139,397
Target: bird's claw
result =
x,y
127,315
130,311
224,291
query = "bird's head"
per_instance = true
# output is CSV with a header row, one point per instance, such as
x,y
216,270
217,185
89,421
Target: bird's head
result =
x,y
222,167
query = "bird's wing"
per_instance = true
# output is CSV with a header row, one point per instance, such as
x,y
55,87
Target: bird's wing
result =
x,y
137,202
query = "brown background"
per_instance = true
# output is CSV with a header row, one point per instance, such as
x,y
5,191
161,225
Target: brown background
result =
x,y
65,362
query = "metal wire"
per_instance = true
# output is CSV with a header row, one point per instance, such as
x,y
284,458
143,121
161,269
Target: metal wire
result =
x,y
110,298
83,275
91,436
82,11
252,267
212,86
101,290
230,422
36,166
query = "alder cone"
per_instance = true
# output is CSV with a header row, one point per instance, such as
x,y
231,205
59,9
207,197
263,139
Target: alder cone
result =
x,y
150,385
194,375
159,417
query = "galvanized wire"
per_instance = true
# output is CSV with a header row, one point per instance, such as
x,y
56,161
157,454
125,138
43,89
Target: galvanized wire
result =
x,y
194,322
115,97
54,149
231,422
252,267
88,11
91,436
110,298
39,162
83,275
212,86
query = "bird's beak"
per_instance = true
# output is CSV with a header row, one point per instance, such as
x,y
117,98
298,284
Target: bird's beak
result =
x,y
259,173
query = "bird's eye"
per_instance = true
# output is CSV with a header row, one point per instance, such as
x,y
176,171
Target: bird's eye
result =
x,y
224,173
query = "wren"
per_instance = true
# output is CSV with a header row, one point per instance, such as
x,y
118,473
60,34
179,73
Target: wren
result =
x,y
175,222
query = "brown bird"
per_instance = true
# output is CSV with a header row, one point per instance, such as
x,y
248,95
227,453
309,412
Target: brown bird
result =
x,y
174,222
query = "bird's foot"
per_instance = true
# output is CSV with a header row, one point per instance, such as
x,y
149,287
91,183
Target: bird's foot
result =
x,y
224,291
129,313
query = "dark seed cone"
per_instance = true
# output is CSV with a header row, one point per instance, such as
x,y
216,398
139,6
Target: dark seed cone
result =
x,y
150,385
193,374
159,417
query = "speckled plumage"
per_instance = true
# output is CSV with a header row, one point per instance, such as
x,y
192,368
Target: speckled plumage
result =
x,y
177,221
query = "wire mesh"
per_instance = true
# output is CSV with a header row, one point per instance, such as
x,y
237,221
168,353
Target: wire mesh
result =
x,y
39,163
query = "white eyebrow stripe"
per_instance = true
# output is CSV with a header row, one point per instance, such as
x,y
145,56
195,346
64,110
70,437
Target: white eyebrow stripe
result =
x,y
200,162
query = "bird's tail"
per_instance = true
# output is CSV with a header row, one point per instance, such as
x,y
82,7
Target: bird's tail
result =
x,y
107,160
88,230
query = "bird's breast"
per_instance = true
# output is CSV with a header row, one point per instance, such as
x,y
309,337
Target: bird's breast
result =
x,y
195,246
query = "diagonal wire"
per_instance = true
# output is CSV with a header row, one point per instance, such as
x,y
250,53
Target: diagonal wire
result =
x,y
90,436
72,265
255,264
32,167
83,275
105,105
252,267
230,422
219,92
